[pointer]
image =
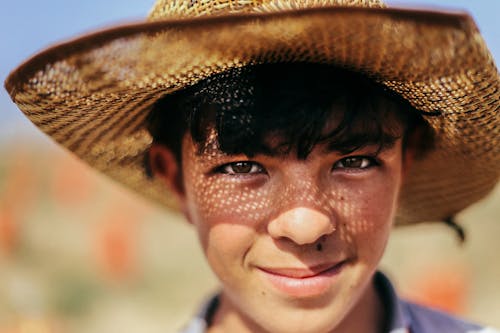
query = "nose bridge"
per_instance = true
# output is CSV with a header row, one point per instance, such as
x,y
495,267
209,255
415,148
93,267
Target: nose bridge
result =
x,y
299,208
300,190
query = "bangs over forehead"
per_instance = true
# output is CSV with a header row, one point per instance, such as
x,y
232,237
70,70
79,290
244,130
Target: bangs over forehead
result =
x,y
282,108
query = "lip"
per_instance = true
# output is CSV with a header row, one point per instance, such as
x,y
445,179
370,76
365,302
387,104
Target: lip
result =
x,y
303,282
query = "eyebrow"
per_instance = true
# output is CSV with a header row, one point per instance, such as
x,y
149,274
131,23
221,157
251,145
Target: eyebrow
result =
x,y
359,141
346,146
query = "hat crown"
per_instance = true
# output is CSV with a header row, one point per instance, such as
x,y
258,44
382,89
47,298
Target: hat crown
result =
x,y
171,9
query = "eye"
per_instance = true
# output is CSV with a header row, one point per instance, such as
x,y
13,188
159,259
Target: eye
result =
x,y
355,162
241,168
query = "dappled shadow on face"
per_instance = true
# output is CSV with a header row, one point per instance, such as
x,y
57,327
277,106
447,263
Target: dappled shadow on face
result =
x,y
358,207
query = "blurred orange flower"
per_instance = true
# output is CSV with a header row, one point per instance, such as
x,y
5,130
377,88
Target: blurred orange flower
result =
x,y
116,240
71,183
9,230
21,181
443,287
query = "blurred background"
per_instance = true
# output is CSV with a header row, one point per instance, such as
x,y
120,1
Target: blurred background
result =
x,y
80,254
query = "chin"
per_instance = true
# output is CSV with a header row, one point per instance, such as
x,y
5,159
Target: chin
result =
x,y
300,319
302,325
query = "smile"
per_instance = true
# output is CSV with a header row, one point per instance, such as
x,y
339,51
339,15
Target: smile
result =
x,y
303,282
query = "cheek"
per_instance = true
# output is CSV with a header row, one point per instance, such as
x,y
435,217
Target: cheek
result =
x,y
225,245
224,229
222,201
370,206
366,214
370,200
228,221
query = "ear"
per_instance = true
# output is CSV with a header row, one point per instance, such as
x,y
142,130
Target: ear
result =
x,y
411,149
164,166
408,158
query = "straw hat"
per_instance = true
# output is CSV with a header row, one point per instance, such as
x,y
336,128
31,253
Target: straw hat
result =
x,y
92,94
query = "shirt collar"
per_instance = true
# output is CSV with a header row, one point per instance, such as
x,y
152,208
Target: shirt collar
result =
x,y
398,320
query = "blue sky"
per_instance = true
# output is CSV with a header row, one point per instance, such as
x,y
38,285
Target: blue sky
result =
x,y
31,25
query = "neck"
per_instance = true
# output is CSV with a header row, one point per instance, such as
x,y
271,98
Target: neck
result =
x,y
367,316
226,319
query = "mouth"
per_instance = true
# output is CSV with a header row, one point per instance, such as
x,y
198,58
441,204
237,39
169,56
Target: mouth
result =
x,y
303,282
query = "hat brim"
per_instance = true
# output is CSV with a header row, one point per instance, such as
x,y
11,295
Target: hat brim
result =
x,y
92,94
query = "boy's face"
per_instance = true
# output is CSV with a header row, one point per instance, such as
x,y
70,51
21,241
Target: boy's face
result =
x,y
294,242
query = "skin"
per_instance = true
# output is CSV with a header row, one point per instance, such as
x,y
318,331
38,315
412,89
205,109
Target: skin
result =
x,y
260,218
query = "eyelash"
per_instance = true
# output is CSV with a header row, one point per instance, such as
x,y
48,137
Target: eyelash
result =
x,y
366,163
255,168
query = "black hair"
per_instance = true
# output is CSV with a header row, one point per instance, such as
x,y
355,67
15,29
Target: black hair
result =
x,y
292,101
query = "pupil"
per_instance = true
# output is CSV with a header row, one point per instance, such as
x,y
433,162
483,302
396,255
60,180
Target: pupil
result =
x,y
242,167
353,162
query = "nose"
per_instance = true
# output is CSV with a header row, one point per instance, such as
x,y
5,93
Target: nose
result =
x,y
301,225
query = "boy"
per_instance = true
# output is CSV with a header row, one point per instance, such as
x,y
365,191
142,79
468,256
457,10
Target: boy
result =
x,y
289,162
293,201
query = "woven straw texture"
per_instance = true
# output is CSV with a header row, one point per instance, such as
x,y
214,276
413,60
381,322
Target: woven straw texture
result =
x,y
92,94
